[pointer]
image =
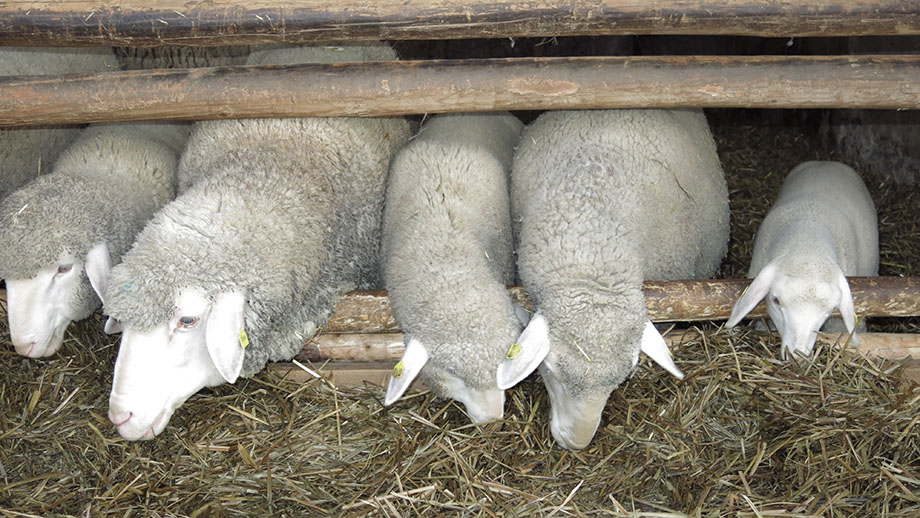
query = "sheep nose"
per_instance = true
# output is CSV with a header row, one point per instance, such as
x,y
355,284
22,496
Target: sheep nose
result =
x,y
119,417
24,348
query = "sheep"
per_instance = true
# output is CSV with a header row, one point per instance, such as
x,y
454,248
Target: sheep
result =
x,y
822,228
61,232
601,201
447,258
28,152
277,219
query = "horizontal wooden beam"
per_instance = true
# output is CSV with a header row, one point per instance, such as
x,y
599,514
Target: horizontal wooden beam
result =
x,y
359,358
224,22
667,301
408,87
383,347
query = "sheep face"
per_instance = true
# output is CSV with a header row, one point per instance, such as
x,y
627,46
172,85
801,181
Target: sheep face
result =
x,y
798,308
573,419
577,400
157,370
799,302
41,308
482,405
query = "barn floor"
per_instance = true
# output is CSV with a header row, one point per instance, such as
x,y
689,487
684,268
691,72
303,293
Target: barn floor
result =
x,y
744,435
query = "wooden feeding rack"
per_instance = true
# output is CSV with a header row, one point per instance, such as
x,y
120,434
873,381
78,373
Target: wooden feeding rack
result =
x,y
362,328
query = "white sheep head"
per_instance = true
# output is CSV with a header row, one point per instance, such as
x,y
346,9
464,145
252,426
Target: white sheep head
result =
x,y
157,369
481,405
40,308
800,297
574,416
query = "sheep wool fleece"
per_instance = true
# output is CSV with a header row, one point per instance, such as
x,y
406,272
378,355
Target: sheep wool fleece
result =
x,y
28,152
103,188
823,211
284,211
602,200
447,252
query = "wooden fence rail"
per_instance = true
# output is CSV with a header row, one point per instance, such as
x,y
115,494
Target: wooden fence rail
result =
x,y
406,87
224,22
667,301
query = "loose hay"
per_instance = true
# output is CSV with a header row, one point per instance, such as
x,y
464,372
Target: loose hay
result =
x,y
744,435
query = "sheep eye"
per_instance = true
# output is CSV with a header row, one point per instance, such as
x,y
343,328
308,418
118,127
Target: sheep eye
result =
x,y
188,322
64,268
776,301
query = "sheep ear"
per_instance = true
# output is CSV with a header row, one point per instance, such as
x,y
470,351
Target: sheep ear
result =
x,y
414,358
112,326
846,306
654,346
525,356
756,291
225,335
97,266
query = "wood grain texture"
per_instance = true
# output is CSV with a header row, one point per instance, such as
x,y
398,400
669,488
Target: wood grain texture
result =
x,y
436,86
224,22
348,366
667,301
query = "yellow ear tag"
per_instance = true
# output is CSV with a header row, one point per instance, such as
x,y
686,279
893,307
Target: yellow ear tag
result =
x,y
398,370
514,351
745,290
244,338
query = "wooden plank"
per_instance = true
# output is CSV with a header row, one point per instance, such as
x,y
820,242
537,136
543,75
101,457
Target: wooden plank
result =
x,y
349,368
224,22
667,301
408,87
390,346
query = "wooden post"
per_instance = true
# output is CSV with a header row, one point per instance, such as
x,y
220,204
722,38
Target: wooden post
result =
x,y
398,88
226,22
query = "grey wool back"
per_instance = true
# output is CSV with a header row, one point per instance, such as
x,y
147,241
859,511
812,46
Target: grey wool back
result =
x,y
447,250
603,200
284,211
103,188
28,152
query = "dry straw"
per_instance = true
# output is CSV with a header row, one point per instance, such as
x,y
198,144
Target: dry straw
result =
x,y
744,435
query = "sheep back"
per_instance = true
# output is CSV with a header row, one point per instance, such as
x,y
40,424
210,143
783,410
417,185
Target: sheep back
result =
x,y
821,203
28,152
601,201
103,188
447,251
286,211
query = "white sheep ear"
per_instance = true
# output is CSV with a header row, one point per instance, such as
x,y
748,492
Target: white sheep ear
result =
x,y
225,335
97,267
654,346
112,326
753,294
414,358
846,306
525,356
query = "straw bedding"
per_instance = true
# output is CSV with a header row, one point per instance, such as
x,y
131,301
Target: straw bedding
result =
x,y
744,435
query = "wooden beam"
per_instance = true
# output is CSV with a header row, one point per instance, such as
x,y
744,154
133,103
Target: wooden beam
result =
x,y
408,87
667,301
341,374
390,346
224,22
356,359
